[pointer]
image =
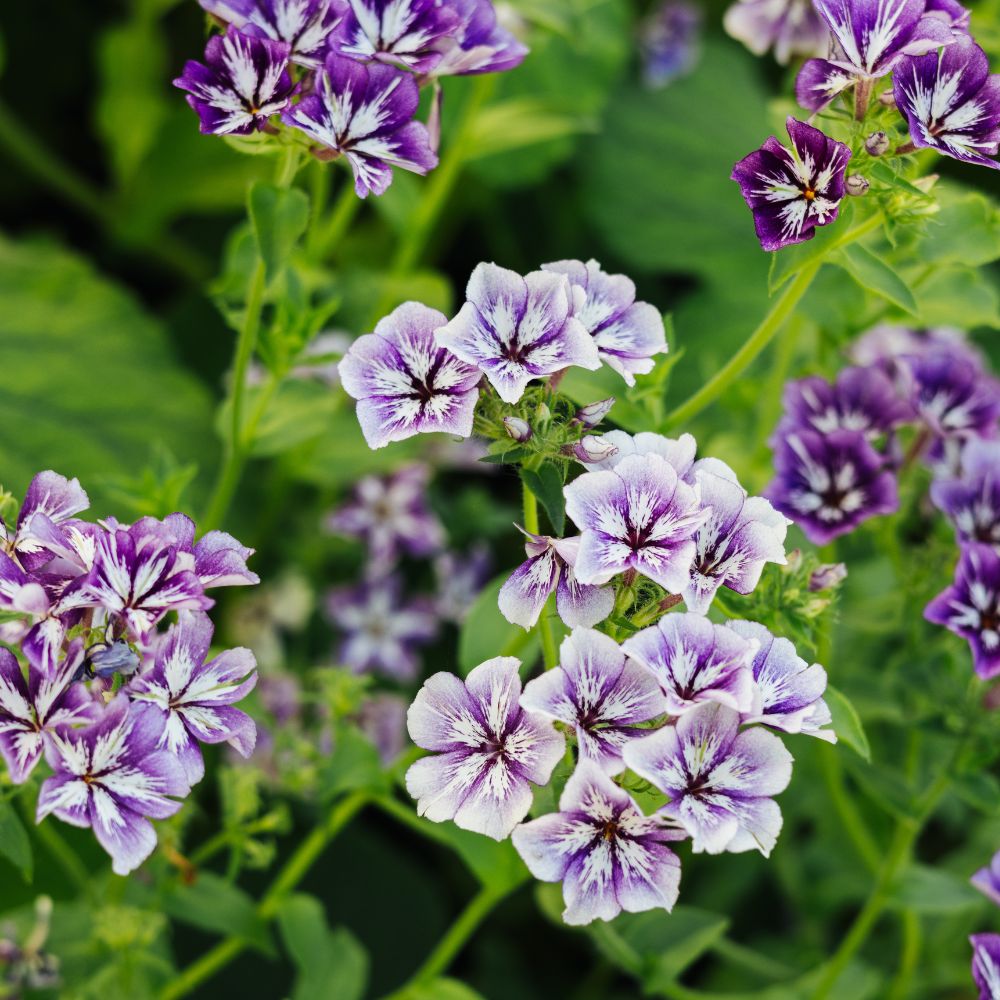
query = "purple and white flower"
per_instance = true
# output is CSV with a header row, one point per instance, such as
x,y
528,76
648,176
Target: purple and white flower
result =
x,y
600,693
638,516
886,345
829,483
619,445
986,965
487,750
478,43
111,776
460,577
382,718
365,112
971,499
548,568
951,102
190,700
243,82
49,508
405,382
608,855
694,661
719,780
789,27
789,692
987,880
628,334
516,329
670,42
970,607
792,190
219,559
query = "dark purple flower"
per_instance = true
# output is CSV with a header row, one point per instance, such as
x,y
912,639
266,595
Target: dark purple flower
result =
x,y
886,345
670,42
304,25
986,965
598,692
871,37
365,112
488,751
49,508
952,102
789,27
189,700
477,43
381,632
987,880
110,776
608,855
411,33
829,483
950,13
405,383
719,780
516,329
628,334
637,516
460,577
971,500
970,607
548,568
792,191
951,394
390,516
243,82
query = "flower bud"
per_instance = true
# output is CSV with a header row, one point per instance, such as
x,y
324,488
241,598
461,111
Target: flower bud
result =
x,y
593,413
857,185
877,144
592,449
827,576
887,98
518,429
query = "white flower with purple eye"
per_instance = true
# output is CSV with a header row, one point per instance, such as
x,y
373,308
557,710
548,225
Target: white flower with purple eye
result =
x,y
986,965
951,102
694,661
789,27
789,692
792,190
870,39
608,855
678,452
304,25
48,510
409,33
478,44
243,82
405,383
970,607
190,700
628,334
599,692
488,751
637,516
741,534
719,780
30,711
549,567
987,880
971,499
365,112
110,776
517,329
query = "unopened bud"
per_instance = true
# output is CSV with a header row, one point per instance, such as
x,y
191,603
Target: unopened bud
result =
x,y
857,185
827,576
593,413
877,144
518,429
593,449
887,99
543,413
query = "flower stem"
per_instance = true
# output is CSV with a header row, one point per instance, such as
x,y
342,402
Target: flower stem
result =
x,y
287,879
324,240
854,825
550,653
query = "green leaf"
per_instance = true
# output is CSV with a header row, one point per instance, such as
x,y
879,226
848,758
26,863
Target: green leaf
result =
x,y
496,864
872,273
439,989
213,904
354,763
847,723
958,296
547,485
486,633
278,217
331,965
979,789
965,230
933,890
14,843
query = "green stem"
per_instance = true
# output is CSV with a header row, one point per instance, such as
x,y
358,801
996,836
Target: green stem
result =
x,y
328,238
751,961
910,956
288,878
852,821
544,626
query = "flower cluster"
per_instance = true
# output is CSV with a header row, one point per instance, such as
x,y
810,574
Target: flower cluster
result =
x,y
116,698
343,77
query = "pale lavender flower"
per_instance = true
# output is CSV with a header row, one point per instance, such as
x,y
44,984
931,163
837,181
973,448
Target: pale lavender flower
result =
x,y
49,508
405,383
365,112
487,750
189,700
594,451
548,568
971,499
694,661
678,452
670,42
886,345
638,516
987,880
460,577
792,190
789,692
608,855
986,965
719,780
478,43
110,776
827,576
410,33
243,82
382,718
517,428
516,329
789,27
598,692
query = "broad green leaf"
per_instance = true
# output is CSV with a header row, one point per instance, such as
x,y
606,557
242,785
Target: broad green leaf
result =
x,y
296,414
278,217
353,764
14,843
847,723
979,789
933,890
874,274
486,633
547,485
213,904
958,296
523,121
965,230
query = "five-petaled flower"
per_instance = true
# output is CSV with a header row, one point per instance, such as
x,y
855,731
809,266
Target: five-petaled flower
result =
x,y
46,520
